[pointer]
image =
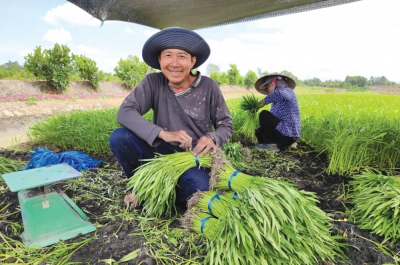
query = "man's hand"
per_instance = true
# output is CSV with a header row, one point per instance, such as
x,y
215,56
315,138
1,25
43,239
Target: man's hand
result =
x,y
180,138
205,144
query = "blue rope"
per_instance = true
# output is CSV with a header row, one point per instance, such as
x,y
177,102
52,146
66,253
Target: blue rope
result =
x,y
235,195
196,158
216,196
231,177
203,222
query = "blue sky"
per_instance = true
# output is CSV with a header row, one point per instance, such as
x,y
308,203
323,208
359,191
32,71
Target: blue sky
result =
x,y
360,38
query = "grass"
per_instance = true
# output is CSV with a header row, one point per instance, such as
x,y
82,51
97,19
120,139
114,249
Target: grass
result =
x,y
357,131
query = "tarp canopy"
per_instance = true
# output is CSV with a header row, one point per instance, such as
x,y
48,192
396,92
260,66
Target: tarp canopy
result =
x,y
196,14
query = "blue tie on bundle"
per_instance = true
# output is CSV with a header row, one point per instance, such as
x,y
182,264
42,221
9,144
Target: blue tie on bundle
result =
x,y
78,160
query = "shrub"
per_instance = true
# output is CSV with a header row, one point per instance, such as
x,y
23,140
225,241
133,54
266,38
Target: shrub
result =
x,y
54,65
14,71
220,78
249,79
107,77
131,71
87,69
233,75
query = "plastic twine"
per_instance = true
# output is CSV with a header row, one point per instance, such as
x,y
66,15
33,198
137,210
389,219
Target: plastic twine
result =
x,y
196,158
203,222
216,196
231,177
235,196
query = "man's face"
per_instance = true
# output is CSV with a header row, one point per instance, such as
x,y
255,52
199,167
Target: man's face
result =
x,y
176,65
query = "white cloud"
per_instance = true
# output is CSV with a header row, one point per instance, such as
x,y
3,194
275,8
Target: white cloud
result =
x,y
57,36
106,61
24,53
88,51
352,39
72,14
150,33
107,64
127,29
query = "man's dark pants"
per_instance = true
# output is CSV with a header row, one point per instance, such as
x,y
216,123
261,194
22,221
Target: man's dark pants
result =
x,y
129,149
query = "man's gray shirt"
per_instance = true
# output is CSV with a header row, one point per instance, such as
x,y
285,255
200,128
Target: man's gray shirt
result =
x,y
196,110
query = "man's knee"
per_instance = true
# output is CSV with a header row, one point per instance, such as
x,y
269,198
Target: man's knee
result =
x,y
118,137
195,179
191,181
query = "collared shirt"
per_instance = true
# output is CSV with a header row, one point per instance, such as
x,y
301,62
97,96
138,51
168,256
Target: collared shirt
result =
x,y
196,110
286,109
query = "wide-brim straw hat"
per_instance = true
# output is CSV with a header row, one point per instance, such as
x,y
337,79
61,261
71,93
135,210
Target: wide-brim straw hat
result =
x,y
175,38
262,82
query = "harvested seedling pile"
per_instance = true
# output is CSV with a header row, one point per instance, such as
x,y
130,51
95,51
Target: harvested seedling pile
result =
x,y
261,221
376,200
154,182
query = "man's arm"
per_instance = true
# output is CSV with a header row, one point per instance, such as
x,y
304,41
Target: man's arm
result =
x,y
133,107
221,118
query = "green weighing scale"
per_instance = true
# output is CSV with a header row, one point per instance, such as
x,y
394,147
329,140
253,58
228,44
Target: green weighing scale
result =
x,y
48,214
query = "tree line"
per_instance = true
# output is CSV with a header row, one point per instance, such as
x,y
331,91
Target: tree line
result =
x,y
232,77
59,67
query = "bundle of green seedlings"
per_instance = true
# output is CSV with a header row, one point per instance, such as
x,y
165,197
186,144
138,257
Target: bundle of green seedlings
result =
x,y
376,200
236,238
287,226
8,165
250,105
202,223
154,182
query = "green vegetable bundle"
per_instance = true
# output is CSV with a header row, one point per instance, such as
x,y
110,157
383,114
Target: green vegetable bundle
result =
x,y
8,165
154,182
376,200
232,233
250,104
202,223
290,227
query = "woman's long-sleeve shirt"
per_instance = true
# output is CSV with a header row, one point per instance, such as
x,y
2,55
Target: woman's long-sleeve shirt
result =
x,y
286,108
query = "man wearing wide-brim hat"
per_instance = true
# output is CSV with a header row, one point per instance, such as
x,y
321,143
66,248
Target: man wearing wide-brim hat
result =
x,y
281,125
185,106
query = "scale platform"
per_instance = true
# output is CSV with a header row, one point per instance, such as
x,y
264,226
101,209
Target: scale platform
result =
x,y
48,215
